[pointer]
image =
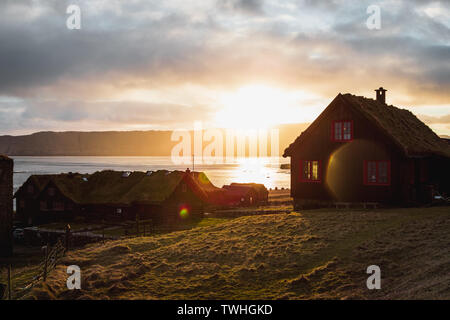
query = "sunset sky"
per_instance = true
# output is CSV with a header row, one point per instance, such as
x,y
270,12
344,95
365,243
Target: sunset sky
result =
x,y
138,65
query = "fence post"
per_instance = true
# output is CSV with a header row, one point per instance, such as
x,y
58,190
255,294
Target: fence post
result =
x,y
67,236
103,231
137,224
46,262
9,282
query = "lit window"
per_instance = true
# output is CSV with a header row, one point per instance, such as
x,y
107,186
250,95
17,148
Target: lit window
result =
x,y
310,171
342,130
377,172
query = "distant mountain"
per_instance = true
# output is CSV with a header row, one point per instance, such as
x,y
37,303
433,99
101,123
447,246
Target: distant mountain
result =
x,y
110,143
87,144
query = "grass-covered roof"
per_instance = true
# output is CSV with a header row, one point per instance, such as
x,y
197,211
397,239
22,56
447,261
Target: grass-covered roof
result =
x,y
4,158
258,187
117,187
413,136
39,181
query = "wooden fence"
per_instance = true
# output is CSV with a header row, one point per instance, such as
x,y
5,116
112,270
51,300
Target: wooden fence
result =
x,y
52,255
69,239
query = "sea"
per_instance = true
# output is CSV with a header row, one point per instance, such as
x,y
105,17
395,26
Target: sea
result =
x,y
259,170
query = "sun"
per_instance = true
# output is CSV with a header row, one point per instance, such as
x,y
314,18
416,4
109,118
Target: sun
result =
x,y
258,107
249,107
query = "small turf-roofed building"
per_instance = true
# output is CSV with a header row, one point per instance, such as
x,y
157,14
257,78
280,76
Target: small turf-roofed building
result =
x,y
246,194
363,150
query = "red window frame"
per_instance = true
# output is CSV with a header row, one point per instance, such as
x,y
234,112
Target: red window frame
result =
x,y
310,163
377,173
333,133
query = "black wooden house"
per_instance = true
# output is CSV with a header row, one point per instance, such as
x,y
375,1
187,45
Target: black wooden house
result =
x,y
163,196
363,150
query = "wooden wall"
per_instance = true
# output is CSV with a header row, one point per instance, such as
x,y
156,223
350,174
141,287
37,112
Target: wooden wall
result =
x,y
6,206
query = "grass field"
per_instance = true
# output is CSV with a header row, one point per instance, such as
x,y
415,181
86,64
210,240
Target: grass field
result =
x,y
313,254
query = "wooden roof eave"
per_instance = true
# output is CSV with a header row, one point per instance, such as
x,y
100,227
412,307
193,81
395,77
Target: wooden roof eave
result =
x,y
295,145
18,192
21,188
311,127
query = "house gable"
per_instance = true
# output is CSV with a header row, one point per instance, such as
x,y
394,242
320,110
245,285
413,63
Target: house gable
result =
x,y
317,140
30,189
186,193
54,198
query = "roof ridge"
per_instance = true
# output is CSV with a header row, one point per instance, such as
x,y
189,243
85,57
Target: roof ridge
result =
x,y
418,130
401,125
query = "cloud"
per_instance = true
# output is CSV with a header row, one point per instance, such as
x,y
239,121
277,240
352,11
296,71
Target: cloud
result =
x,y
21,116
243,6
60,75
429,119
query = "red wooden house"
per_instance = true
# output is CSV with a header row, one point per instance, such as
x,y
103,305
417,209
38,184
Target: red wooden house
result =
x,y
363,150
245,194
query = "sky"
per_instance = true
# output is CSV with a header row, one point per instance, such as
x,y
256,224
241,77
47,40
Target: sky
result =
x,y
143,64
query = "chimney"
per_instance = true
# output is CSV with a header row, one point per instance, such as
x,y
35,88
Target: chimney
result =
x,y
381,95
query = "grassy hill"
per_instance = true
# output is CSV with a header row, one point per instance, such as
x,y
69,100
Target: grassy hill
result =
x,y
309,255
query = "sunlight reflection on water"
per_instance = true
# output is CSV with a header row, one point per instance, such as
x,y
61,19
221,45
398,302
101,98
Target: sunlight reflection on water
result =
x,y
260,170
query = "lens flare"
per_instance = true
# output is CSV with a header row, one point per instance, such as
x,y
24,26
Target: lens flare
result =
x,y
184,212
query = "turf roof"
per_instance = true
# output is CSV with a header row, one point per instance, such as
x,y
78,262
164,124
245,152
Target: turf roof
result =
x,y
403,126
259,187
111,187
413,136
5,158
